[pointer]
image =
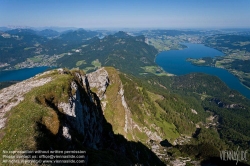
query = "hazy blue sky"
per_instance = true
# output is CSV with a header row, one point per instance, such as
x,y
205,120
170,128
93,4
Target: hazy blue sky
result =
x,y
126,13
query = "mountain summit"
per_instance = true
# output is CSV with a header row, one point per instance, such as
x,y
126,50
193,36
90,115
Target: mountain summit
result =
x,y
69,110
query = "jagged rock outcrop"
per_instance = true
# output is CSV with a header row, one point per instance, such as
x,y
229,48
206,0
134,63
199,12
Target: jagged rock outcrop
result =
x,y
83,115
99,80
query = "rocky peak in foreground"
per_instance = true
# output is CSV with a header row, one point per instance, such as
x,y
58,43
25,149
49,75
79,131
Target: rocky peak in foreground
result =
x,y
70,110
115,117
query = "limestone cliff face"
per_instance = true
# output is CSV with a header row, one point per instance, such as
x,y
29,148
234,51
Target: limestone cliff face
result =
x,y
83,109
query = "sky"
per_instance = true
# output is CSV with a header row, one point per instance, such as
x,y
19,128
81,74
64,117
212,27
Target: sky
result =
x,y
126,13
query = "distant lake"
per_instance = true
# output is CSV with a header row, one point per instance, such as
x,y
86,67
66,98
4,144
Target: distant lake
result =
x,y
21,74
174,61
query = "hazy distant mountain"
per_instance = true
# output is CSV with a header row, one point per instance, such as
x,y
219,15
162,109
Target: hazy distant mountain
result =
x,y
78,35
58,29
48,33
168,32
44,33
21,31
4,29
121,34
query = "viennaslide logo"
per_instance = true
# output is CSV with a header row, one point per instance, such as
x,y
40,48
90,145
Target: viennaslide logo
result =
x,y
231,155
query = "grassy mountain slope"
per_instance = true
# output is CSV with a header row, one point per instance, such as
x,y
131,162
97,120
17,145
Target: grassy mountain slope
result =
x,y
142,112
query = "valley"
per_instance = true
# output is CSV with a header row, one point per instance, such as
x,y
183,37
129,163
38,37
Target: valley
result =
x,y
109,96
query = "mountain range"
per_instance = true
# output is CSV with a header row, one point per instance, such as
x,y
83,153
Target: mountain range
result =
x,y
103,99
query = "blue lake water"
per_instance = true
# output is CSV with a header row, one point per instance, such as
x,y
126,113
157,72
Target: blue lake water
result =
x,y
174,61
21,74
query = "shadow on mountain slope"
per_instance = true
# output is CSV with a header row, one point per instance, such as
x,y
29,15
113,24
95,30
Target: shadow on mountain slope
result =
x,y
97,137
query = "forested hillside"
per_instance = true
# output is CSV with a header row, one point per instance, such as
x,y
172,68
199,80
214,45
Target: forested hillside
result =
x,y
120,50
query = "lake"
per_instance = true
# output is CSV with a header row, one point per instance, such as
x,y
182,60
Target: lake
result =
x,y
174,61
21,74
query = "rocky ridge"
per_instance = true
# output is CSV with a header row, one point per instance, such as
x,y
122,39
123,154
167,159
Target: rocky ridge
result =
x,y
81,121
